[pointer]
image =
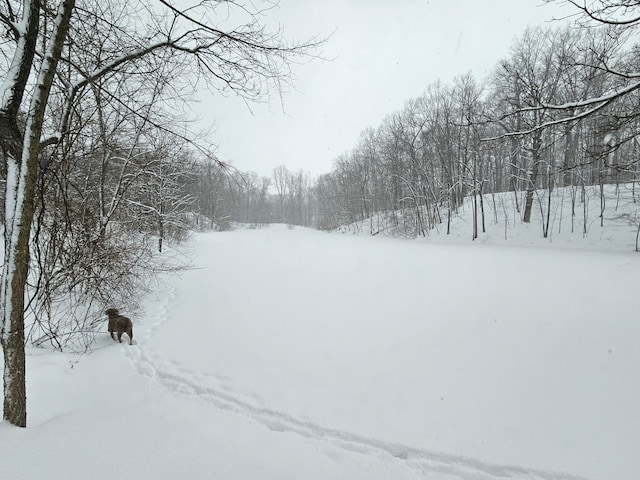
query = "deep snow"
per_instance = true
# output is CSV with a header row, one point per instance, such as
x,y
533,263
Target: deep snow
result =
x,y
291,353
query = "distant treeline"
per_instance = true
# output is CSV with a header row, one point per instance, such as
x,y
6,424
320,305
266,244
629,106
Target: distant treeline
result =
x,y
562,109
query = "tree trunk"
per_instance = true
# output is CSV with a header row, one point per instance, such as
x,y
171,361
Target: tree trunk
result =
x,y
22,173
533,177
12,140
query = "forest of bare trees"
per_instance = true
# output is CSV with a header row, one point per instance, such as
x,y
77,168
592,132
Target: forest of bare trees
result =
x,y
561,110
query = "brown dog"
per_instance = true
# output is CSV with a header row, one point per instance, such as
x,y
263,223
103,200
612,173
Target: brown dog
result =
x,y
119,324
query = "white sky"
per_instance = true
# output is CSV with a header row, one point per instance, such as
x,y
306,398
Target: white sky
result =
x,y
384,53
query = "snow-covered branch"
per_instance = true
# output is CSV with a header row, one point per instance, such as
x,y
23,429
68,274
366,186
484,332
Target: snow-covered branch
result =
x,y
596,105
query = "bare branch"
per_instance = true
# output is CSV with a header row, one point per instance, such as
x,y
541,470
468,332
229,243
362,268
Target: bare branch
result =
x,y
608,11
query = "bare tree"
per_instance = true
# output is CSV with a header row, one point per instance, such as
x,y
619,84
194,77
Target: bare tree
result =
x,y
621,18
280,175
21,153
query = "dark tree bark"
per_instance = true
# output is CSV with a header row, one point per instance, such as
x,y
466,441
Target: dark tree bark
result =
x,y
20,203
11,303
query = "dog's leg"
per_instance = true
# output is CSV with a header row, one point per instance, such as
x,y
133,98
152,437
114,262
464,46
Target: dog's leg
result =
x,y
130,332
120,336
112,337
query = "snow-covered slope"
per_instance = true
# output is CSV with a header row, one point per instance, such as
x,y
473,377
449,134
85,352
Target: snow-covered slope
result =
x,y
577,218
292,354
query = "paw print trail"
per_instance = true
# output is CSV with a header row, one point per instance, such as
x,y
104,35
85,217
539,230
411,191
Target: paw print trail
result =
x,y
429,464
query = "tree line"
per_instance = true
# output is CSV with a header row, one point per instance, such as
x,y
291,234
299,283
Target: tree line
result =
x,y
562,109
519,130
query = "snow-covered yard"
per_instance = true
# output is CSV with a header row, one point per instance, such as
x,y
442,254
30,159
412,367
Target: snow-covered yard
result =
x,y
296,354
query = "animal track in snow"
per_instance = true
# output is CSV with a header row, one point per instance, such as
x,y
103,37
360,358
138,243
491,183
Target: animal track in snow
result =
x,y
212,389
158,316
183,381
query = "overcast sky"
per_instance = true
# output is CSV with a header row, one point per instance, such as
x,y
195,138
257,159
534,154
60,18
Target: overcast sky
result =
x,y
384,53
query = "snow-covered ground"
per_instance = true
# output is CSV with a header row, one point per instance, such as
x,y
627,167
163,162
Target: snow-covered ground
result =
x,y
572,222
297,354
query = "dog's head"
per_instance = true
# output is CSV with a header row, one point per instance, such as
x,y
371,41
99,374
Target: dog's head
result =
x,y
111,312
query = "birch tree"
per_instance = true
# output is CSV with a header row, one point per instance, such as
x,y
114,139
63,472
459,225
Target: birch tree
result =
x,y
51,59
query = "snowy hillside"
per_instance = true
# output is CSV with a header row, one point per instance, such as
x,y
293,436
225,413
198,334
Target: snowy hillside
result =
x,y
575,218
296,354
